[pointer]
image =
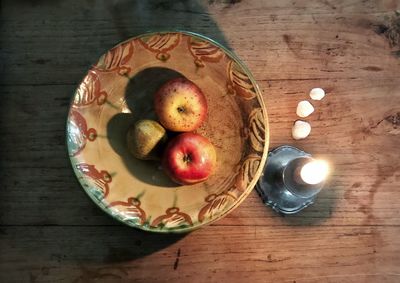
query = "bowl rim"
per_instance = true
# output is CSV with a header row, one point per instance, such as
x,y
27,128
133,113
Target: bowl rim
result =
x,y
250,186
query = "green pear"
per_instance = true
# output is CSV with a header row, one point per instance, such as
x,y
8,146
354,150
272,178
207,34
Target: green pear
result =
x,y
145,139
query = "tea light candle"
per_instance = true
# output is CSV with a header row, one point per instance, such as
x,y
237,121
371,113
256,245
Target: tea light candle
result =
x,y
314,172
291,180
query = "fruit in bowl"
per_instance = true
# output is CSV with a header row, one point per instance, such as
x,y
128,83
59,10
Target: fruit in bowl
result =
x,y
145,139
180,105
189,158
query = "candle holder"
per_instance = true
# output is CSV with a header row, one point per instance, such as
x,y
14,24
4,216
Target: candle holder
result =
x,y
281,186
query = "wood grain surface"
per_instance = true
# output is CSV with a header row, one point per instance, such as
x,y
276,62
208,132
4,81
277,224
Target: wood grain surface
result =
x,y
51,232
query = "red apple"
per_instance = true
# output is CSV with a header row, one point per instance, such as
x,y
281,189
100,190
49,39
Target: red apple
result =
x,y
180,105
189,158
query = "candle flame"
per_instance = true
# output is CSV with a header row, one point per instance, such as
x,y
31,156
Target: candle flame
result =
x,y
314,172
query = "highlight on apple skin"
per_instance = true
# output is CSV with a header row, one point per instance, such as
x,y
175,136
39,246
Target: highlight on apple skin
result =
x,y
180,105
189,158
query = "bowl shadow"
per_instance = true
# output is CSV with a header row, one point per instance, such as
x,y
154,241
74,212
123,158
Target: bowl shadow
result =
x,y
139,100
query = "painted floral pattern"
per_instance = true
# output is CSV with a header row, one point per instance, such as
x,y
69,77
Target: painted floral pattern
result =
x,y
172,218
160,44
78,133
215,205
257,129
247,171
130,210
98,179
204,51
239,83
117,59
89,91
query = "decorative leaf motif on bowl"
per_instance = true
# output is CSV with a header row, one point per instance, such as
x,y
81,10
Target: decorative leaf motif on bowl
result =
x,y
129,210
173,218
247,171
215,204
257,129
229,181
89,91
116,59
204,51
78,133
160,44
99,179
239,83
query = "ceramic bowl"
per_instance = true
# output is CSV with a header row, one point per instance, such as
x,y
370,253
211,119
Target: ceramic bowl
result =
x,y
118,90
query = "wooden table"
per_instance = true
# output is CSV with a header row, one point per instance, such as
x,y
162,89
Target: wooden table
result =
x,y
51,232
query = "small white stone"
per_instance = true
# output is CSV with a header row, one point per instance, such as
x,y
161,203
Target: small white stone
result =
x,y
301,130
304,109
317,93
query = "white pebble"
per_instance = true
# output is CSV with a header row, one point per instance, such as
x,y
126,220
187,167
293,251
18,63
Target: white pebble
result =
x,y
304,109
317,93
301,130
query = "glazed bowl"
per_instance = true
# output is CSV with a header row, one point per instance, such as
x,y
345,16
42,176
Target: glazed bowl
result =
x,y
118,90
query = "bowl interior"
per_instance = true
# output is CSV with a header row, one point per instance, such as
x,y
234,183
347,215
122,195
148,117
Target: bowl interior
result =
x,y
119,90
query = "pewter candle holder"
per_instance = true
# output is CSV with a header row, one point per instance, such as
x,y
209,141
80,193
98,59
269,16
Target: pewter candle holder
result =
x,y
281,186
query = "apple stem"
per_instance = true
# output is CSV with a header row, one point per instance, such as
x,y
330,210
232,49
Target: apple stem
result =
x,y
181,109
187,158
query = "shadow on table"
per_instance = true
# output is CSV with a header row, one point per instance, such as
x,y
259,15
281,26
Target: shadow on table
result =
x,y
136,17
127,244
64,225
